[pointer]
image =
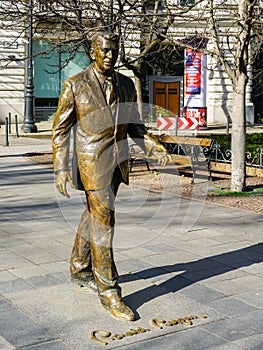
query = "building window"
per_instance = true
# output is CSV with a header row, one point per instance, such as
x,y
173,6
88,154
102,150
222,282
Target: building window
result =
x,y
51,67
185,3
43,5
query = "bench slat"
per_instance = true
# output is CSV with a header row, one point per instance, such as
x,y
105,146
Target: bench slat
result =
x,y
182,140
175,158
180,159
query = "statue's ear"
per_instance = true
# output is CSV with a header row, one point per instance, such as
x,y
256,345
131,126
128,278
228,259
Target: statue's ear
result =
x,y
92,54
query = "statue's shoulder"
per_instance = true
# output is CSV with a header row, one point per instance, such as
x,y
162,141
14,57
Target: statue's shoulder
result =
x,y
79,76
124,80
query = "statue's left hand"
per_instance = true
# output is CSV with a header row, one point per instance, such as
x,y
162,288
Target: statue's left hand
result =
x,y
161,154
62,178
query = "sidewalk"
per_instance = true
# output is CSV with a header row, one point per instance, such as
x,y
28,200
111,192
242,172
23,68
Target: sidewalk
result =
x,y
176,258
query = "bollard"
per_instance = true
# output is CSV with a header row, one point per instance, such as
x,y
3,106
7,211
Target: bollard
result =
x,y
227,124
9,123
6,132
16,124
176,125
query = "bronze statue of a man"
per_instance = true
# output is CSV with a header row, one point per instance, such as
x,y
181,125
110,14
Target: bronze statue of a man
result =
x,y
91,104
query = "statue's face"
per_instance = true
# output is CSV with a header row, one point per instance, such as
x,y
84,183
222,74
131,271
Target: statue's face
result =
x,y
105,55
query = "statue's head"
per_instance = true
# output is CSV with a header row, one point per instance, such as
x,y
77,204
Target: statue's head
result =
x,y
104,51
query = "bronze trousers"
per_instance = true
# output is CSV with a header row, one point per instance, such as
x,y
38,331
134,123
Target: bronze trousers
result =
x,y
92,252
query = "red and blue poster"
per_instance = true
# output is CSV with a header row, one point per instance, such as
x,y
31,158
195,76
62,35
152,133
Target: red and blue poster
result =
x,y
192,72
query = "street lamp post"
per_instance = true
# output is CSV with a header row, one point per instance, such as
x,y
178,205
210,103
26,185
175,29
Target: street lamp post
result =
x,y
29,112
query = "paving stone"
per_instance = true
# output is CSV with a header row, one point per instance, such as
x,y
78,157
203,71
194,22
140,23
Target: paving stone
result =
x,y
196,274
252,343
54,345
43,243
252,298
226,287
49,279
39,258
6,276
167,260
183,340
132,265
5,345
65,238
231,306
8,241
154,274
10,228
256,268
223,238
54,267
25,250
23,331
62,252
15,284
248,283
161,249
29,271
201,294
236,258
205,231
9,260
230,329
228,346
252,319
205,242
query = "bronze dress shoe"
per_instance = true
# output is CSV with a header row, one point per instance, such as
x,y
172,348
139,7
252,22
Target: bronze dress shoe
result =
x,y
85,283
120,310
113,303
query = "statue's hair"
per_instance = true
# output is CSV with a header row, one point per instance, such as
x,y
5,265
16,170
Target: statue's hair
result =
x,y
105,35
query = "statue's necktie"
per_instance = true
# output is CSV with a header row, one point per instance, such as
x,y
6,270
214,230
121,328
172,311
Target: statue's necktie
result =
x,y
109,90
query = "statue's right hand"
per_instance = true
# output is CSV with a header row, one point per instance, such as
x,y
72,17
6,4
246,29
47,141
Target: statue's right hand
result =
x,y
62,177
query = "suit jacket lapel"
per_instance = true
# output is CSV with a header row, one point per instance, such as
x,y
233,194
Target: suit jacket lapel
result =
x,y
97,92
95,87
115,106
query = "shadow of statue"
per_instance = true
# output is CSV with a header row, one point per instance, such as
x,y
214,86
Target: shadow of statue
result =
x,y
206,268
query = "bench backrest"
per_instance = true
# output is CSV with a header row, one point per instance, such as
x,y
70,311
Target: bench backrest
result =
x,y
182,140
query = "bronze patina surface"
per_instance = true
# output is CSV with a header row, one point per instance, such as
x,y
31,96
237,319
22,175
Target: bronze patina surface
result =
x,y
99,105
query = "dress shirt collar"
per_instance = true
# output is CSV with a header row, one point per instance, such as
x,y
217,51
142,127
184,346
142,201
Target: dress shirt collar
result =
x,y
101,77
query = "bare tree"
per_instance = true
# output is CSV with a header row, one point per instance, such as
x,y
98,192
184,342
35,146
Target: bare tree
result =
x,y
73,22
239,47
143,20
233,30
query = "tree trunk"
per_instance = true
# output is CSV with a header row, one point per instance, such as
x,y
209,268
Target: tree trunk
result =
x,y
238,139
138,86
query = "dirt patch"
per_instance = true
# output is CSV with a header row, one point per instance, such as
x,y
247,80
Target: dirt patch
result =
x,y
43,158
177,181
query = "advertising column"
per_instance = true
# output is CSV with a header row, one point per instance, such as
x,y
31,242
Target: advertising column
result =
x,y
195,88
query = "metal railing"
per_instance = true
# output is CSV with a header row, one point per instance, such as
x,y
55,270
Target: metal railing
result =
x,y
216,153
225,156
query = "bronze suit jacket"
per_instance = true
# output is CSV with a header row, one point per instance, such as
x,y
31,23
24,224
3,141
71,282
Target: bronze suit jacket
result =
x,y
100,131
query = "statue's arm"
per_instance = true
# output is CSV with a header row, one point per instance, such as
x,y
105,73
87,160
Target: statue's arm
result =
x,y
150,145
64,120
